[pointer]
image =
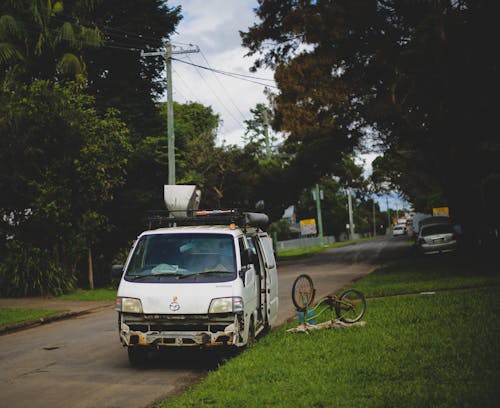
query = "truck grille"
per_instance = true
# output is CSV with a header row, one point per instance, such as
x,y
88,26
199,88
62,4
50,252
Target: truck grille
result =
x,y
201,323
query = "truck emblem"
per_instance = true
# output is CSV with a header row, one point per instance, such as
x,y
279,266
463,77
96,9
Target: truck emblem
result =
x,y
174,306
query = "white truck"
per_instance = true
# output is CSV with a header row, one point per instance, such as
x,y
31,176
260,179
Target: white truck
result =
x,y
204,280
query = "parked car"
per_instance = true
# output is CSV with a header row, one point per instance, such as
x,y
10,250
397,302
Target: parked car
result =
x,y
435,238
399,229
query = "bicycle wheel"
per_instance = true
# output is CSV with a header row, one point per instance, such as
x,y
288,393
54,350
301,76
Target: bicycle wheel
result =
x,y
350,306
302,292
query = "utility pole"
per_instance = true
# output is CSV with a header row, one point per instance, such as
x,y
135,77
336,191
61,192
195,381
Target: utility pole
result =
x,y
373,218
266,133
388,214
351,222
170,117
318,196
168,52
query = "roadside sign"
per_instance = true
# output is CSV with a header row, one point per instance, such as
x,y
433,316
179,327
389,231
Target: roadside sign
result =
x,y
443,211
308,227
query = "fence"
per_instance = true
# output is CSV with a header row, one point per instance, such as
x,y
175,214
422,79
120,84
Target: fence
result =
x,y
303,242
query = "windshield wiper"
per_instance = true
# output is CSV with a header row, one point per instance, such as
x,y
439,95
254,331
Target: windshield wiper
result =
x,y
202,273
152,275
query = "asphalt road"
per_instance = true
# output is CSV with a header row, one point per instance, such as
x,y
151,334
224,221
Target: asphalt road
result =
x,y
79,362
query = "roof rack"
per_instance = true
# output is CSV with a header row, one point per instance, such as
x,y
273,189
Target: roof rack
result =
x,y
162,218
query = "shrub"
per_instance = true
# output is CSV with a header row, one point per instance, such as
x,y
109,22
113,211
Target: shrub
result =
x,y
31,271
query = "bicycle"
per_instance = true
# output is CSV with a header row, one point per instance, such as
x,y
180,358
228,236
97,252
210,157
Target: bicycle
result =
x,y
349,306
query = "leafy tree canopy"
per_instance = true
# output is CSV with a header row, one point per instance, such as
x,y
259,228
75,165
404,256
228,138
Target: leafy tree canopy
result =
x,y
420,75
45,39
117,74
60,163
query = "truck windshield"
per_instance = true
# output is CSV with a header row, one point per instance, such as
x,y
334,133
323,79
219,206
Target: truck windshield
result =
x,y
183,258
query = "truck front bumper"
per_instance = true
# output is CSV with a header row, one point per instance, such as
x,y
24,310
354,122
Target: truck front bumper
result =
x,y
157,331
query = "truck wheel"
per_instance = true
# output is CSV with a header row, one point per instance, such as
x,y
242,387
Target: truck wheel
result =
x,y
137,356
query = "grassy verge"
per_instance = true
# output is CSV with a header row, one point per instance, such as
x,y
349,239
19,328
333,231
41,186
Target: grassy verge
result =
x,y
437,349
430,273
10,316
301,252
103,294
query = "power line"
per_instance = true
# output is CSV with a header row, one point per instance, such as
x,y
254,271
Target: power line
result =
x,y
211,90
231,74
185,84
223,87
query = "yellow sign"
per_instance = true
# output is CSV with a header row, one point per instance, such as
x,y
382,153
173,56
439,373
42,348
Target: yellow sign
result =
x,y
308,226
441,211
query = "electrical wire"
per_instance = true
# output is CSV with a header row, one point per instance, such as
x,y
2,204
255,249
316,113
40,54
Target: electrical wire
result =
x,y
213,92
185,84
223,87
241,77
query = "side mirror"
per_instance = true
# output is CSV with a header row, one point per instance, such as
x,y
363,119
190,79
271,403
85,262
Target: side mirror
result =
x,y
117,271
247,257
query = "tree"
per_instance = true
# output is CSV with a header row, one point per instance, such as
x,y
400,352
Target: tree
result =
x,y
44,39
197,161
257,130
117,74
60,163
420,76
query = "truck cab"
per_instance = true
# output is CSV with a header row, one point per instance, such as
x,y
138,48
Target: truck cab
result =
x,y
209,280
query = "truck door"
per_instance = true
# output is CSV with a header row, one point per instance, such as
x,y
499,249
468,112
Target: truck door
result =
x,y
271,277
251,280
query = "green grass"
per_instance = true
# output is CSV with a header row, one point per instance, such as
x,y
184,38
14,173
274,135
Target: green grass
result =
x,y
419,273
301,252
102,294
436,350
10,316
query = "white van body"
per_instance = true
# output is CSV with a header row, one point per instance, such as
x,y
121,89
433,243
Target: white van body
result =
x,y
181,302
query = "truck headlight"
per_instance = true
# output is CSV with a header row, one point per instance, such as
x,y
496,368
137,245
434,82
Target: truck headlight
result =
x,y
226,305
128,305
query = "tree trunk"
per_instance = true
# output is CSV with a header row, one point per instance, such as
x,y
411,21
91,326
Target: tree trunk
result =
x,y
91,271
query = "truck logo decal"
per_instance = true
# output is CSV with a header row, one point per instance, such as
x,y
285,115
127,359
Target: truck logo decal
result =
x,y
174,306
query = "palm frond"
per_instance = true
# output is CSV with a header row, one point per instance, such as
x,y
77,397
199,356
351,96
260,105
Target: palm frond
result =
x,y
10,77
70,64
10,28
39,44
9,53
91,37
66,34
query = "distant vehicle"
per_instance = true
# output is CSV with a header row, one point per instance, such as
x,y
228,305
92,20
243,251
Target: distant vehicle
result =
x,y
415,221
399,229
419,220
436,238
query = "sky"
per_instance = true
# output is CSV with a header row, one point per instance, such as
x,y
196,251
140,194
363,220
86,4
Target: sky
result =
x,y
213,26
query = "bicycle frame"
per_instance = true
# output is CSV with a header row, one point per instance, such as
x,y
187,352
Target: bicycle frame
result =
x,y
328,303
348,306
314,311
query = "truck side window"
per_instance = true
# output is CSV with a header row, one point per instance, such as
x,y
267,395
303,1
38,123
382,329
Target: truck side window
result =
x,y
241,244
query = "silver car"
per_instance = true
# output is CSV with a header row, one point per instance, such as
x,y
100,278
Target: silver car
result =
x,y
435,238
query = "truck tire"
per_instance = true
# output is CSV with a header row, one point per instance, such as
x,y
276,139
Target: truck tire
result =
x,y
137,356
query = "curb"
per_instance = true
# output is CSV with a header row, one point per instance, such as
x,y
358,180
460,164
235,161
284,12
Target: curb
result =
x,y
44,320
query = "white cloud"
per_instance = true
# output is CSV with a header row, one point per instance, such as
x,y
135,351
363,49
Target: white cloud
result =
x,y
214,26
366,160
